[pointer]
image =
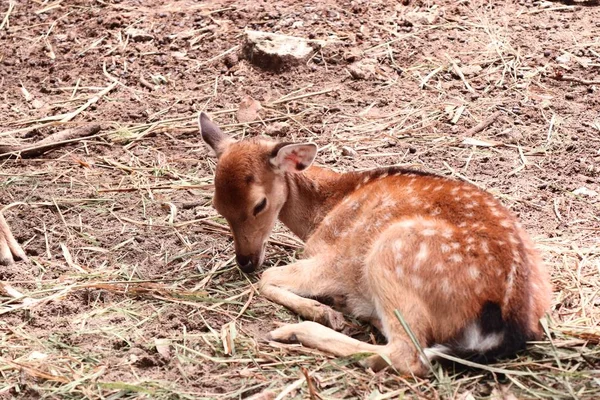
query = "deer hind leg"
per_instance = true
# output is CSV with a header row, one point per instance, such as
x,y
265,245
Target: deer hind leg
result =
x,y
9,247
291,284
316,336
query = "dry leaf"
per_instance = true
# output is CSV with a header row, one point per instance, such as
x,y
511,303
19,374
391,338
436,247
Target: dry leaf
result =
x,y
248,110
457,114
163,347
228,335
28,96
69,259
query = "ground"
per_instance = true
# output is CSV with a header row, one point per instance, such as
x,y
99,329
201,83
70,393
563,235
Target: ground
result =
x,y
131,290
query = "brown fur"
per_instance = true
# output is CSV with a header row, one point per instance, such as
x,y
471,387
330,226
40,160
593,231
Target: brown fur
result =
x,y
435,249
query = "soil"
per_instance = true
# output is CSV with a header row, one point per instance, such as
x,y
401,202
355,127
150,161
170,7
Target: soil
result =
x,y
113,210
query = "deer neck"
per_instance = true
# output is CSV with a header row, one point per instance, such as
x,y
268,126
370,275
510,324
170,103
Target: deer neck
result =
x,y
311,195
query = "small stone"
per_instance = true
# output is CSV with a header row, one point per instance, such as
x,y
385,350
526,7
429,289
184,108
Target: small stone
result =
x,y
563,59
363,69
349,152
570,96
138,35
277,129
428,17
547,53
583,191
470,70
37,104
231,60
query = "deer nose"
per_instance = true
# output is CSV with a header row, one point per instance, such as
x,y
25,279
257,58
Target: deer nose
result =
x,y
245,263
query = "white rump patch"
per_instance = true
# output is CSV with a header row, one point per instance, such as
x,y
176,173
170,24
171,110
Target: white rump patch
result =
x,y
473,339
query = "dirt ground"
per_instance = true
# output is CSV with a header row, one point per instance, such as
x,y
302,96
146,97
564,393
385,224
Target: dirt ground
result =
x,y
132,292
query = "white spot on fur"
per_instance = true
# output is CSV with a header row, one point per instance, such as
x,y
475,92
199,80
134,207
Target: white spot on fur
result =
x,y
485,248
439,267
448,233
444,248
495,212
399,272
473,272
407,223
447,288
454,190
438,188
506,223
473,339
428,232
469,215
455,258
398,246
455,245
462,224
421,255
416,282
510,280
366,179
426,187
470,239
384,175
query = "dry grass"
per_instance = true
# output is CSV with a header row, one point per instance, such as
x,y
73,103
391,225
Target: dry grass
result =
x,y
132,291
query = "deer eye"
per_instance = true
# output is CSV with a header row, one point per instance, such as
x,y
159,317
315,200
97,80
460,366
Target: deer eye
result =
x,y
260,206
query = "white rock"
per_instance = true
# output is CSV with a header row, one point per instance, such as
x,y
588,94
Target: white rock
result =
x,y
563,59
583,191
277,52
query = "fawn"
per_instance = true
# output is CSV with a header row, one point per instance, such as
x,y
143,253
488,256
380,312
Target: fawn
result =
x,y
449,257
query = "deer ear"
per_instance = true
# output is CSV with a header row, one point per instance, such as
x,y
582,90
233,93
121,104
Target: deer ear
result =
x,y
212,135
293,157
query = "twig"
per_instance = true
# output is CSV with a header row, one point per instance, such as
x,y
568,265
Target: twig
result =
x,y
52,141
91,101
483,124
11,6
568,78
302,96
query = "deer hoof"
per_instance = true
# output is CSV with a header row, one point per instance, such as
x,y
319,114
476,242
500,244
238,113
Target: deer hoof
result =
x,y
333,319
285,334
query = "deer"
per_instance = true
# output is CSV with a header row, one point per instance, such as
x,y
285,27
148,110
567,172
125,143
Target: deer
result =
x,y
443,254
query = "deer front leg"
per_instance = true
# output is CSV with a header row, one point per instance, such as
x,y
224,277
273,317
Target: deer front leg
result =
x,y
287,285
9,247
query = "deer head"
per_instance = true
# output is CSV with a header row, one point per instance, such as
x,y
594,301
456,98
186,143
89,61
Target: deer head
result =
x,y
251,186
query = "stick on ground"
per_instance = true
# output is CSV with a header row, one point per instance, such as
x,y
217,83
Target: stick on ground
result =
x,y
483,124
52,141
